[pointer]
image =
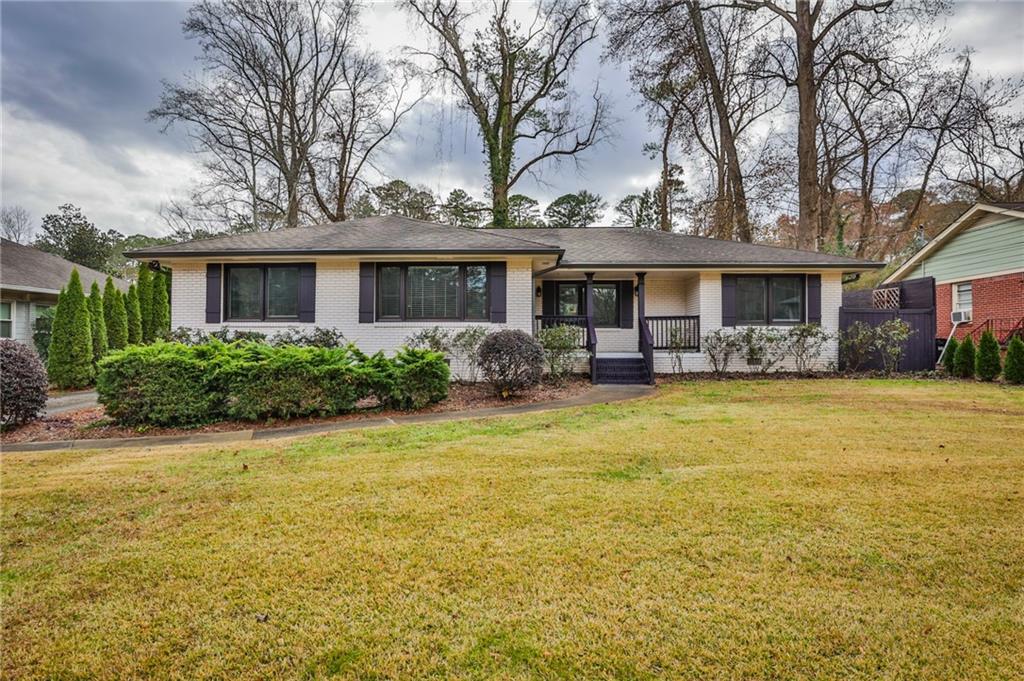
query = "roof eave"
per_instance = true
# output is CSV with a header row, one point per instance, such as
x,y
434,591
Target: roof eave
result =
x,y
340,251
846,267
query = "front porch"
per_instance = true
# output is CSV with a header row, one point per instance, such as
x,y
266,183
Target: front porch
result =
x,y
625,320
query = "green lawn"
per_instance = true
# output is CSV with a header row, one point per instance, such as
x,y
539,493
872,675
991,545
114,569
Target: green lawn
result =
x,y
823,528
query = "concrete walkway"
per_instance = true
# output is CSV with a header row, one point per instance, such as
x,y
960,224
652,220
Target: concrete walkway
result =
x,y
598,394
58,404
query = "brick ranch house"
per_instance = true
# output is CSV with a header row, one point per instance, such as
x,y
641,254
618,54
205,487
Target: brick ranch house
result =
x,y
379,280
978,266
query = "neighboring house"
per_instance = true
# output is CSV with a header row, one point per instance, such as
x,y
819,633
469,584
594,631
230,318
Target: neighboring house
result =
x,y
29,283
978,266
379,280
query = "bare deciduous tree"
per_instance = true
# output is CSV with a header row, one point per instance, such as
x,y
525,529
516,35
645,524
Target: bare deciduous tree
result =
x,y
513,79
16,224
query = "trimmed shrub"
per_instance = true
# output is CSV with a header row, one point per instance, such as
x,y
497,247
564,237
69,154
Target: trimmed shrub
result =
x,y
949,356
856,345
421,377
805,342
163,384
891,341
133,312
115,316
511,360
260,381
560,344
42,332
963,361
70,361
1013,369
226,335
317,337
97,323
23,383
434,338
144,289
161,306
987,365
719,346
763,347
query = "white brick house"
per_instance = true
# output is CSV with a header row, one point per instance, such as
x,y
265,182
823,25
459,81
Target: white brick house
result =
x,y
379,280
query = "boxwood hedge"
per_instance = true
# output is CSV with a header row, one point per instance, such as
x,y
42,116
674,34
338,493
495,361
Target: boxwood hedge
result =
x,y
173,384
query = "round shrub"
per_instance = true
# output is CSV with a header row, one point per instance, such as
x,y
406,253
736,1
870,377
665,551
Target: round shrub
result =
x,y
23,383
949,356
511,360
987,365
421,377
1013,370
963,361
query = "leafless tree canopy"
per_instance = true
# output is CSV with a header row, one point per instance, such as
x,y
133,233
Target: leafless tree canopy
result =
x,y
514,80
16,224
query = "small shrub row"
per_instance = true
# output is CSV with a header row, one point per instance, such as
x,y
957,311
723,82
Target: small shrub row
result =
x,y
173,384
861,342
317,337
965,360
764,347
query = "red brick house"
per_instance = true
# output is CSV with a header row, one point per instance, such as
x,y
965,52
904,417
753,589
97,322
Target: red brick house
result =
x,y
978,266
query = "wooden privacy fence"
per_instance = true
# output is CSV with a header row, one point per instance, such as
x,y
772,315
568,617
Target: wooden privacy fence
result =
x,y
919,350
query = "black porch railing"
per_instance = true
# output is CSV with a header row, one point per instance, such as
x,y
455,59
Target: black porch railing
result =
x,y
579,322
675,332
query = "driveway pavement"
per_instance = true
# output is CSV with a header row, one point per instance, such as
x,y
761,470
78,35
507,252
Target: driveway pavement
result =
x,y
83,399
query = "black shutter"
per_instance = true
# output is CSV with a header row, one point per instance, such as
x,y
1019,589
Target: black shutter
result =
x,y
814,299
307,292
548,297
626,304
366,272
728,300
213,289
496,275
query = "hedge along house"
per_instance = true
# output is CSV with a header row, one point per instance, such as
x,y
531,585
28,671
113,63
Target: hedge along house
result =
x,y
379,280
30,281
978,266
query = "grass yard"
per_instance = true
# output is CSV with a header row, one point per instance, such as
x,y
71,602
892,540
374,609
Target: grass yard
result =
x,y
822,528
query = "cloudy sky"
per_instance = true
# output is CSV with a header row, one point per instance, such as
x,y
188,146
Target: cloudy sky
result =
x,y
78,79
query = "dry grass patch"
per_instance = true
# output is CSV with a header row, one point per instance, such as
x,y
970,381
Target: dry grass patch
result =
x,y
725,529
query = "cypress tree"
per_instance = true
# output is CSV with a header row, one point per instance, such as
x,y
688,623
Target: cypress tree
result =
x,y
97,323
1013,370
963,362
115,316
949,355
161,307
70,361
144,287
134,315
987,365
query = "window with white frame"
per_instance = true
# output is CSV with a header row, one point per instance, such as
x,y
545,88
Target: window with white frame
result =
x,y
6,320
963,297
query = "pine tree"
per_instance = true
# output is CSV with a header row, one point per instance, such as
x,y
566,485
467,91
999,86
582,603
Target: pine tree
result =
x,y
949,356
144,288
97,323
987,365
134,315
161,307
115,316
963,362
70,361
1013,370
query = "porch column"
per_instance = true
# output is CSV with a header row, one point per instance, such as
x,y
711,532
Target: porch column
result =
x,y
588,296
641,315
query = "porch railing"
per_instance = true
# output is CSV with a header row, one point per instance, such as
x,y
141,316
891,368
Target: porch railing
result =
x,y
647,348
578,322
1003,329
675,332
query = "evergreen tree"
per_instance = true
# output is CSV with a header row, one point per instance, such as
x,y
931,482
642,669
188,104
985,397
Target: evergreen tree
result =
x,y
1013,370
134,315
987,365
949,356
97,323
161,307
144,288
115,316
963,362
70,361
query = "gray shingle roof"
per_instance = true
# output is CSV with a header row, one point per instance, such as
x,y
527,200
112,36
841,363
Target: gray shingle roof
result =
x,y
27,267
375,235
608,246
596,246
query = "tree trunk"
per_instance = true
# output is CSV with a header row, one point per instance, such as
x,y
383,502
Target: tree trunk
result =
x,y
664,218
809,191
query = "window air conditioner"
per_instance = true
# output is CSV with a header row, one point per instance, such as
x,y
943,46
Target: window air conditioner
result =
x,y
961,316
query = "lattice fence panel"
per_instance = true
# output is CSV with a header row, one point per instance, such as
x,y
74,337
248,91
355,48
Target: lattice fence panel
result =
x,y
885,298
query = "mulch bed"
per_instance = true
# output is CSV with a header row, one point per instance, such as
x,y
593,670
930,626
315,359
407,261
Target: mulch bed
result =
x,y
89,424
